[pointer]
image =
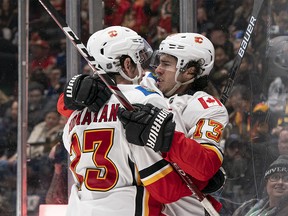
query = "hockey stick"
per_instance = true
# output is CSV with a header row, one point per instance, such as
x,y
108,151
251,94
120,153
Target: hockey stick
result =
x,y
194,189
241,52
84,52
116,91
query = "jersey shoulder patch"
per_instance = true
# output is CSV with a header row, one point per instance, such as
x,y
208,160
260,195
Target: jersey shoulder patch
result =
x,y
146,91
152,76
209,101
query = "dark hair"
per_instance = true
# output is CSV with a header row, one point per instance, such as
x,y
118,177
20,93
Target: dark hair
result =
x,y
199,84
122,59
197,64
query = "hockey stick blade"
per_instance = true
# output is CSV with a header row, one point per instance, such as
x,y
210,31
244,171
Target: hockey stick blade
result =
x,y
242,50
84,52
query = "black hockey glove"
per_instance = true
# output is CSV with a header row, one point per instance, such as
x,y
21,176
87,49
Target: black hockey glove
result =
x,y
148,126
86,91
216,182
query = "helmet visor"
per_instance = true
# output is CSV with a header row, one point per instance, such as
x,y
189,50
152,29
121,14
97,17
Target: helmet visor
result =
x,y
145,53
155,59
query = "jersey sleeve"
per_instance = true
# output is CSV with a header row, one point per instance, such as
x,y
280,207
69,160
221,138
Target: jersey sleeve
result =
x,y
61,107
197,160
196,148
158,176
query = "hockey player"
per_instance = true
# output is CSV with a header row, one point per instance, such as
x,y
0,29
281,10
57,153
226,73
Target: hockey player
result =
x,y
185,61
109,173
195,124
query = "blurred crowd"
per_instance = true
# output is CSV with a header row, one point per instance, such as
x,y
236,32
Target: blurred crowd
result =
x,y
256,135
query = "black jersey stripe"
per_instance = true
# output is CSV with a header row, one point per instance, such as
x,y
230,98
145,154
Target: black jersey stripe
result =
x,y
152,169
139,201
132,168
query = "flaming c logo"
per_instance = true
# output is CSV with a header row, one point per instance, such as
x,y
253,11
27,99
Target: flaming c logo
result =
x,y
198,40
113,33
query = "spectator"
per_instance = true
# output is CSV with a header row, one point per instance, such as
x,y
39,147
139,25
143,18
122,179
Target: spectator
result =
x,y
166,23
242,14
5,102
10,128
236,163
39,176
276,201
37,104
248,76
56,84
221,57
40,77
238,106
279,18
8,65
151,9
277,96
58,189
263,150
129,20
41,167
283,142
43,134
246,160
236,40
219,80
223,13
203,23
117,10
7,181
40,56
219,36
8,14
61,56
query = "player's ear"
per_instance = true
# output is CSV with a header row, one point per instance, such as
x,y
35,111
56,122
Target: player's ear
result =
x,y
190,73
127,64
129,67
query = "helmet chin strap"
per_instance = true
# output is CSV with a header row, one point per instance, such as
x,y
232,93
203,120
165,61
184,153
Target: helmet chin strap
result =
x,y
136,78
178,84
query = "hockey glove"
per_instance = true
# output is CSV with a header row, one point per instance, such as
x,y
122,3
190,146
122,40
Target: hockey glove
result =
x,y
216,182
148,126
86,91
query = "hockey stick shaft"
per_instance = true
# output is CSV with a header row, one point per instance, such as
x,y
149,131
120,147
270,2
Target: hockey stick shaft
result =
x,y
196,192
242,50
117,92
84,52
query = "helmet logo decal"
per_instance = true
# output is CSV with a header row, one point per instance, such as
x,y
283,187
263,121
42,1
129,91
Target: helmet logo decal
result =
x,y
113,33
198,40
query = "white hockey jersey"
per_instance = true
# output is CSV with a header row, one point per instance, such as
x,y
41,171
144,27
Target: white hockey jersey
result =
x,y
202,118
109,172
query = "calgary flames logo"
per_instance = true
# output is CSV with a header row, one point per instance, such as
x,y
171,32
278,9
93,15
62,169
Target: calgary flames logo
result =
x,y
198,40
113,33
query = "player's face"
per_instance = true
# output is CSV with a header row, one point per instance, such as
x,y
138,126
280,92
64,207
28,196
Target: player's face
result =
x,y
166,73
